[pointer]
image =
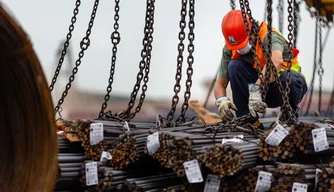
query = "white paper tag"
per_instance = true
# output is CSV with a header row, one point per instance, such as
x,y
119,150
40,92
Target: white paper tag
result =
x,y
96,133
317,175
277,135
153,143
320,142
237,138
325,125
212,183
299,187
105,156
126,126
91,174
193,172
60,132
263,182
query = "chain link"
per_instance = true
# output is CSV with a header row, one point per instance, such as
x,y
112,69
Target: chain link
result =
x,y
148,59
66,44
247,12
280,10
190,61
115,40
317,25
289,113
249,31
84,44
178,75
320,69
297,19
143,64
269,64
232,3
243,4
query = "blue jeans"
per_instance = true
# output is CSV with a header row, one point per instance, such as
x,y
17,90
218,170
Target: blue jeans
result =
x,y
241,73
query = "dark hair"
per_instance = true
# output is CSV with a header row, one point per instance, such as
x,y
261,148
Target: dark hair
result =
x,y
28,139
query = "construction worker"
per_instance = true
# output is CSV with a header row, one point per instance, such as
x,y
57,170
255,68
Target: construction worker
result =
x,y
238,68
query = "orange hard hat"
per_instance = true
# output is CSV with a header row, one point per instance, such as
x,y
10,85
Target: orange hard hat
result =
x,y
234,30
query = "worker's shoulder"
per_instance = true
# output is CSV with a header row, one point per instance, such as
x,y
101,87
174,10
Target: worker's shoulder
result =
x,y
226,51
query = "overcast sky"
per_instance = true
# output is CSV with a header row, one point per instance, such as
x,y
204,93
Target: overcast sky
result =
x,y
47,23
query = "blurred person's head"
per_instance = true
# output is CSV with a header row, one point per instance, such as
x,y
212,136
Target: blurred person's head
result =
x,y
28,140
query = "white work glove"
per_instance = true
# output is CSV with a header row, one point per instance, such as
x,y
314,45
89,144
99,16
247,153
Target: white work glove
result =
x,y
224,106
255,103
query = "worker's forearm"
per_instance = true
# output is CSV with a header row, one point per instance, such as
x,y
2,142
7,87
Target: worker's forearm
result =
x,y
220,92
220,87
277,60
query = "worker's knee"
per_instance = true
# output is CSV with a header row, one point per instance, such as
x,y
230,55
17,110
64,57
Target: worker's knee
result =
x,y
296,79
298,86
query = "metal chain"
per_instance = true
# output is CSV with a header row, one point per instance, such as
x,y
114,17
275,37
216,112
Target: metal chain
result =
x,y
297,19
66,44
142,64
232,3
115,39
178,75
320,69
273,69
314,65
190,61
244,5
265,12
289,113
151,7
84,44
280,9
268,48
253,44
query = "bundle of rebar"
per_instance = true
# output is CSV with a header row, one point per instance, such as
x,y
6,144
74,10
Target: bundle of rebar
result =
x,y
108,178
94,152
284,151
228,159
156,182
285,175
325,180
301,135
127,150
173,152
246,179
70,158
226,127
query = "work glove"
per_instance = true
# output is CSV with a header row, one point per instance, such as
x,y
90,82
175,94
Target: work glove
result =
x,y
224,106
255,103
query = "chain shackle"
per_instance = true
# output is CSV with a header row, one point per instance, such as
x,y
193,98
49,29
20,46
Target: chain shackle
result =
x,y
115,39
84,44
